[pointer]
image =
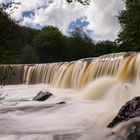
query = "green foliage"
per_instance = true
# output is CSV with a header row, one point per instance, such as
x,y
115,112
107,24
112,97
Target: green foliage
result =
x,y
79,45
129,36
50,44
105,47
13,38
6,26
19,44
28,55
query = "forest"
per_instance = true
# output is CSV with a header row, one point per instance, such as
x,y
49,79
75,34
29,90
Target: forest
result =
x,y
21,44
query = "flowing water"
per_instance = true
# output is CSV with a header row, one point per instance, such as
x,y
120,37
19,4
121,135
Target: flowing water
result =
x,y
76,74
94,90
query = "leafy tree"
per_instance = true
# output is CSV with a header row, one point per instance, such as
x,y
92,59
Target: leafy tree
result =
x,y
104,47
50,44
28,55
7,26
129,36
80,45
19,44
13,37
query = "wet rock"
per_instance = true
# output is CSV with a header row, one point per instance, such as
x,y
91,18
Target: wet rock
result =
x,y
60,103
130,110
129,130
87,134
42,96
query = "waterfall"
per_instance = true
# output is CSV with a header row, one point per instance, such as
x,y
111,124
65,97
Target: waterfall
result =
x,y
104,85
76,74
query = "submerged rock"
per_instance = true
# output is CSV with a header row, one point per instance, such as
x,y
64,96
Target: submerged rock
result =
x,y
93,134
129,130
130,110
62,102
42,96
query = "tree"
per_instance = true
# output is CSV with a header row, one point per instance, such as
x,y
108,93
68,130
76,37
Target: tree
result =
x,y
13,37
28,55
50,44
7,28
10,5
79,45
129,19
105,47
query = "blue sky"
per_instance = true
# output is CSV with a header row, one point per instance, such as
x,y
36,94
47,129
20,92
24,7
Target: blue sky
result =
x,y
28,13
98,19
81,22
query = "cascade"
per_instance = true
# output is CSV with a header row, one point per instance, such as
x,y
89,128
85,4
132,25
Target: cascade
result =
x,y
125,66
104,85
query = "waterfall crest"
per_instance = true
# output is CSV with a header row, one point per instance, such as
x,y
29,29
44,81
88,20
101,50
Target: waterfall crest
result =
x,y
76,74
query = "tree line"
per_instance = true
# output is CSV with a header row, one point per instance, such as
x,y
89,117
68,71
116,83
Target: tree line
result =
x,y
20,44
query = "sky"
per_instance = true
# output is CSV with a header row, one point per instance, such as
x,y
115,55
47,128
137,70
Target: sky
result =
x,y
98,20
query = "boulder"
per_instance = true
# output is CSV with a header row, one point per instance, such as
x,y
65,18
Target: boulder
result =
x,y
130,110
129,130
42,96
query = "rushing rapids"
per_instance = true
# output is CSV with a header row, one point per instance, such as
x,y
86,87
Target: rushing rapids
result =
x,y
105,84
124,66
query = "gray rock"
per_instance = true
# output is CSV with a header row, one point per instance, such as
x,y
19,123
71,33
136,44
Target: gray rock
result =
x,y
130,110
129,130
42,96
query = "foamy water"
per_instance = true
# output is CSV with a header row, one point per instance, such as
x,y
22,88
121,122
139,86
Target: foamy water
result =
x,y
91,108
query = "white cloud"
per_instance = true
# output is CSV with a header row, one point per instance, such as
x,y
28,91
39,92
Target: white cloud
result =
x,y
28,5
101,15
58,14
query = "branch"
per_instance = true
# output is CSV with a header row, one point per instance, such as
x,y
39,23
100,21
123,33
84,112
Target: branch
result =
x,y
84,2
9,5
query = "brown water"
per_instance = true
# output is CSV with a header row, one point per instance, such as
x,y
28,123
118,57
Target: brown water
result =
x,y
76,74
94,90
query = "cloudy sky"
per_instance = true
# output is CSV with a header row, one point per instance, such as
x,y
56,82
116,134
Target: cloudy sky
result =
x,y
97,19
